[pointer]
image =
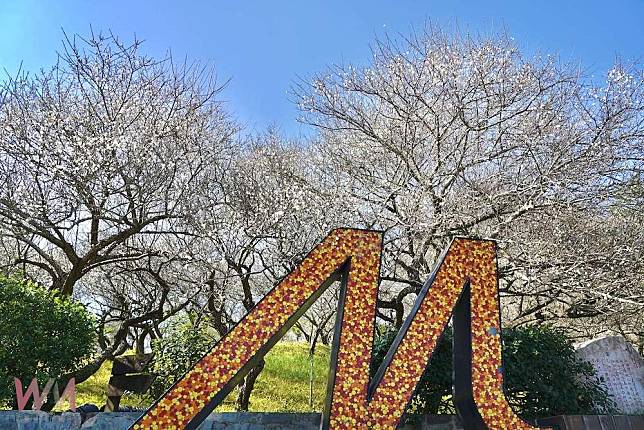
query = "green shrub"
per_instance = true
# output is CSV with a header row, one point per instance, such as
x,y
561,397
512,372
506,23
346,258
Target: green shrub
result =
x,y
42,335
181,346
543,376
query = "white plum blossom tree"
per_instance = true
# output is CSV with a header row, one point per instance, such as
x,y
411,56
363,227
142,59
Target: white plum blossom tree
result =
x,y
104,160
445,135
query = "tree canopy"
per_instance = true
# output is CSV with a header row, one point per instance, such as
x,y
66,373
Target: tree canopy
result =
x,y
125,183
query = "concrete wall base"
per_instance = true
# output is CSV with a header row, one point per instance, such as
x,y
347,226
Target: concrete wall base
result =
x,y
37,420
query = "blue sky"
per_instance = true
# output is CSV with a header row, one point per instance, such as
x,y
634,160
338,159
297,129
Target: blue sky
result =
x,y
263,46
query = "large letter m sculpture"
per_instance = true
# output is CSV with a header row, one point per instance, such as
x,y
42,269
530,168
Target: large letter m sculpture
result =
x,y
463,286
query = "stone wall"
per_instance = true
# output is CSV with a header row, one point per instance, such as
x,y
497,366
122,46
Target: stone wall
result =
x,y
595,422
36,420
621,367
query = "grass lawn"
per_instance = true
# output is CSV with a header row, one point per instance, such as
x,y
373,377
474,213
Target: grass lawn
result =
x,y
283,385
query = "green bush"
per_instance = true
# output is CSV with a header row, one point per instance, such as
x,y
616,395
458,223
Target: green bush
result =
x,y
181,346
543,376
42,335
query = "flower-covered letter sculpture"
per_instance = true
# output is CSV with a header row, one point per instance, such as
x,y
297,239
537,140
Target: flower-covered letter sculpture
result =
x,y
464,284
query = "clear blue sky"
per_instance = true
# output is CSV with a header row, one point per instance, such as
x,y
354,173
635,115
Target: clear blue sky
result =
x,y
264,45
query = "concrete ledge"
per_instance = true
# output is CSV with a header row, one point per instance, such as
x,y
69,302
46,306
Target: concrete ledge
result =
x,y
36,420
228,421
592,422
110,420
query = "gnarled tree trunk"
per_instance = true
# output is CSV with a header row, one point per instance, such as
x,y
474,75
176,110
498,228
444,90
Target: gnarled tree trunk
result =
x,y
246,387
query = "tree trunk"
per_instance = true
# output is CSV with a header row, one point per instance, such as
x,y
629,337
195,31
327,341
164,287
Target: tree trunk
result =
x,y
140,343
246,387
66,284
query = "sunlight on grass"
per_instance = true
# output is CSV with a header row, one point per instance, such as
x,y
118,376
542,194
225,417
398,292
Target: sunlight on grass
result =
x,y
283,385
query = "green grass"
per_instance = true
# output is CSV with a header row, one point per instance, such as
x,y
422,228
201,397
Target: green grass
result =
x,y
283,385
